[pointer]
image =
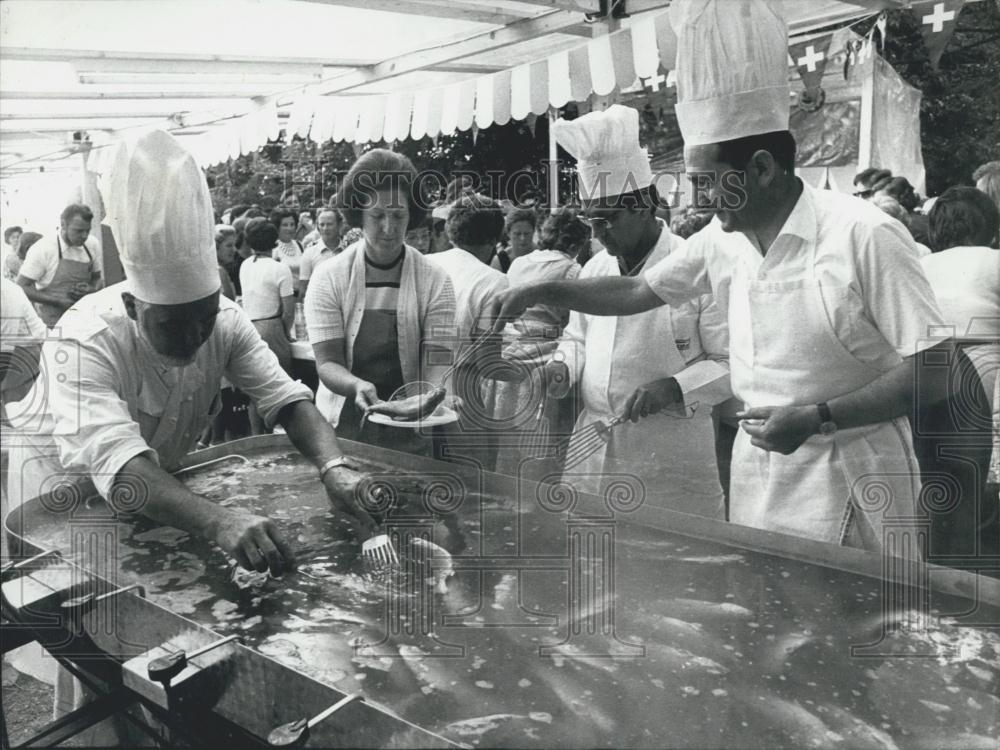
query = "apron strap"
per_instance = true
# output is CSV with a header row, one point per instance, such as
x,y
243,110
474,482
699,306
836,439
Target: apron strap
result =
x,y
90,258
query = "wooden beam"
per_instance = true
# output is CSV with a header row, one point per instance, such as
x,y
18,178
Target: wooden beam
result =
x,y
49,54
84,94
274,81
89,115
102,66
453,9
580,6
519,31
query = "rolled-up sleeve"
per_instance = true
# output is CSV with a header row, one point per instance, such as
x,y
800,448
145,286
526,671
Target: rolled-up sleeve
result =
x,y
254,369
682,275
93,428
323,307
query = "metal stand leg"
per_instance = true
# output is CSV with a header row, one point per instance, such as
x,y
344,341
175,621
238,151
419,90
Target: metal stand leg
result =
x,y
77,721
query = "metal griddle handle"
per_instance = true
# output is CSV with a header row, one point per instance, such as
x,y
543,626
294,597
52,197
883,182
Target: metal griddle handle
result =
x,y
214,461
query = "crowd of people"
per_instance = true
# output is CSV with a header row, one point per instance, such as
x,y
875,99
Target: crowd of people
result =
x,y
760,357
387,305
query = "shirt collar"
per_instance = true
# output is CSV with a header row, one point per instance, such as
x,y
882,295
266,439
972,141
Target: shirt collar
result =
x,y
801,222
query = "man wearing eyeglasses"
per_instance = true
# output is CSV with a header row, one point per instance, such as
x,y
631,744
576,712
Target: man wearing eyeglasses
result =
x,y
671,361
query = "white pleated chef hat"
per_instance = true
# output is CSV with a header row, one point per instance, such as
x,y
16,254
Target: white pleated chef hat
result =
x,y
160,210
732,69
609,160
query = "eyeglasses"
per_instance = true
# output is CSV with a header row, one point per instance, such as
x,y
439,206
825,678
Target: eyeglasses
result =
x,y
597,223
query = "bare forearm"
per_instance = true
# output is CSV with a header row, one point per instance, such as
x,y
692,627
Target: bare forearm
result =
x,y
337,378
309,432
614,295
909,386
42,297
165,499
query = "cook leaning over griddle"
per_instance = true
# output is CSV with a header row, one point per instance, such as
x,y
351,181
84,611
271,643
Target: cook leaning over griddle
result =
x,y
152,352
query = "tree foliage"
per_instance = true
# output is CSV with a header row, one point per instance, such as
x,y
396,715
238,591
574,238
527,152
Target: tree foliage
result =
x,y
960,128
960,111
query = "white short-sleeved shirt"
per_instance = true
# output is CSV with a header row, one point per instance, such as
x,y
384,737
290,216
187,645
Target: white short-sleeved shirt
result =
x,y
109,397
289,253
475,283
42,260
264,282
19,323
877,298
966,282
313,256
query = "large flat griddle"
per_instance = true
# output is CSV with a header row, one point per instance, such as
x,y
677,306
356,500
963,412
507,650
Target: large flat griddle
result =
x,y
569,619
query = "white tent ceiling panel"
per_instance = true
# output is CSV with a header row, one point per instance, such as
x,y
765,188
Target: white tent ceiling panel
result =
x,y
387,68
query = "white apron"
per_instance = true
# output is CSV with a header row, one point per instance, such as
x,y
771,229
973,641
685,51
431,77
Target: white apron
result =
x,y
843,488
671,459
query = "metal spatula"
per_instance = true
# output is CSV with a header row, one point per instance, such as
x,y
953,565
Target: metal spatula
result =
x,y
588,440
378,553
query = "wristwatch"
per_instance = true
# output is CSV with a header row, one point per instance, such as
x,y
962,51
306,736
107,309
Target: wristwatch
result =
x,y
826,424
333,463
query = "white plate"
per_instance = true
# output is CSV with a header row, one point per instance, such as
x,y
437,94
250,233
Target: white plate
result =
x,y
447,416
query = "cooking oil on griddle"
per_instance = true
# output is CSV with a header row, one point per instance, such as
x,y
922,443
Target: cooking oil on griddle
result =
x,y
654,640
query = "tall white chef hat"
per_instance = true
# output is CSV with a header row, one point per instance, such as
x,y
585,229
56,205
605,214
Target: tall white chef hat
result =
x,y
609,160
160,210
732,69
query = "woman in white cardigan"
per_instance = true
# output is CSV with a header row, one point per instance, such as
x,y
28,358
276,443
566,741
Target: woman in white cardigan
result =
x,y
379,315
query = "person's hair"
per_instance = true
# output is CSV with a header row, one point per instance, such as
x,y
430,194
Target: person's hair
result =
x,y
892,207
987,179
690,222
328,210
278,215
376,170
474,221
459,186
73,210
871,175
27,240
963,216
237,211
261,235
780,144
901,189
349,237
9,231
565,232
222,233
253,213
521,214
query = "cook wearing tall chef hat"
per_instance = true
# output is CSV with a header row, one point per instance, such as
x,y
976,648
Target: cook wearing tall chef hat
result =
x,y
149,355
684,374
824,294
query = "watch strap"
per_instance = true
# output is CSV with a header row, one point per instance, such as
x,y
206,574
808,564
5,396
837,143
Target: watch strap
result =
x,y
333,463
824,412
